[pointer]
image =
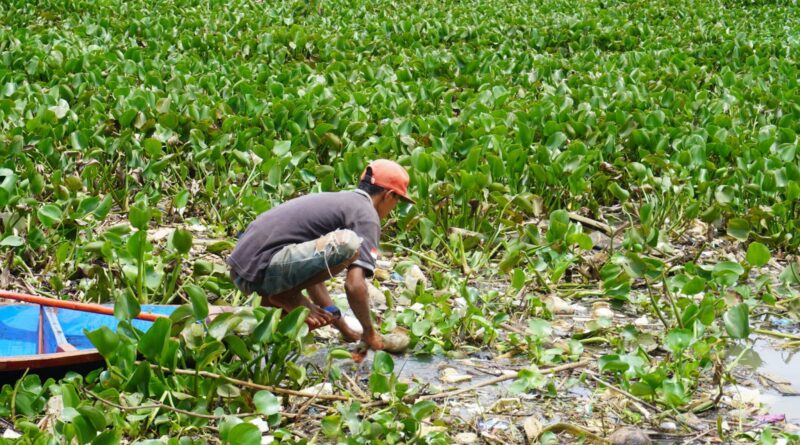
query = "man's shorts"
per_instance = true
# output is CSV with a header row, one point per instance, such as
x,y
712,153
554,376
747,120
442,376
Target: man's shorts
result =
x,y
295,264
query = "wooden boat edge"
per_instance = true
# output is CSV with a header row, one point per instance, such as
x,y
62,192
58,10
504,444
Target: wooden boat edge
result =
x,y
53,360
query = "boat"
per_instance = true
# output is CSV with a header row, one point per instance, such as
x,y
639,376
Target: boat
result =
x,y
50,340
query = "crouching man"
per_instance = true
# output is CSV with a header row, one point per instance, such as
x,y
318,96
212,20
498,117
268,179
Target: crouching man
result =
x,y
303,242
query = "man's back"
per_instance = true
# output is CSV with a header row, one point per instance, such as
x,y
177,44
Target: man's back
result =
x,y
302,219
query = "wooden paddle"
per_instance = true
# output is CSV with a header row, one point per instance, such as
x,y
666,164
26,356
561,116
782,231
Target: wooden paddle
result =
x,y
74,305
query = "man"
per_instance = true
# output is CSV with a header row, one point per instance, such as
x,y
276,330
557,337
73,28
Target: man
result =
x,y
301,243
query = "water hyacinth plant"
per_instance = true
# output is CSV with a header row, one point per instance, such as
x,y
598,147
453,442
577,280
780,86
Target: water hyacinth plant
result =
x,y
641,155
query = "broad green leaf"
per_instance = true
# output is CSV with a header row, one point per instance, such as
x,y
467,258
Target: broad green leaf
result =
x,y
694,286
678,339
612,363
49,215
423,409
757,254
266,403
199,301
244,434
153,341
382,363
12,241
8,182
181,240
739,228
126,306
581,239
290,324
104,339
281,148
618,192
737,321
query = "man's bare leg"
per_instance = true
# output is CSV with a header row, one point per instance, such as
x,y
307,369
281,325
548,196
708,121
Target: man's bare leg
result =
x,y
293,298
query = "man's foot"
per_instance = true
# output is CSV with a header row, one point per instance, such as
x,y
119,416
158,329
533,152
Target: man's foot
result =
x,y
349,334
373,339
317,317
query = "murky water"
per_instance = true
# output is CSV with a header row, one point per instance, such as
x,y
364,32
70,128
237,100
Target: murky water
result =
x,y
767,361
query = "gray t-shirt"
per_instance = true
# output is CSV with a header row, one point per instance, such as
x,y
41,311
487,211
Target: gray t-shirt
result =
x,y
304,219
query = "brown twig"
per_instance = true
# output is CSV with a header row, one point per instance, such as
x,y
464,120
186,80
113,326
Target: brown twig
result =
x,y
576,431
274,389
592,223
159,405
508,376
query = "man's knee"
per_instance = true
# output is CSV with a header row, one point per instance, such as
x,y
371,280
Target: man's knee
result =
x,y
347,240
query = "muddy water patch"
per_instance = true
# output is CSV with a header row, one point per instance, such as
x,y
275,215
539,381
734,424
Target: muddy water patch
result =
x,y
776,373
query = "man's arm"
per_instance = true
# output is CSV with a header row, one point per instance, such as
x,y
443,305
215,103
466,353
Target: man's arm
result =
x,y
357,295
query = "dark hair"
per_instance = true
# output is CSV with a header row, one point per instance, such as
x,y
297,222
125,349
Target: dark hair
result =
x,y
368,186
371,189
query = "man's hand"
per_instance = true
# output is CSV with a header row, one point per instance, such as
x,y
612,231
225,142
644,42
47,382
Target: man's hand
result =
x,y
357,295
373,339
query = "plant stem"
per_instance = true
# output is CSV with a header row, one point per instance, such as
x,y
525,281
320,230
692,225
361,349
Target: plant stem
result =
x,y
655,304
427,258
776,334
140,278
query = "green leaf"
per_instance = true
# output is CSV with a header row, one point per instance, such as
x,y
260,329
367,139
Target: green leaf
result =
x,y
694,286
84,429
61,109
49,215
619,192
382,363
290,324
104,339
199,300
556,140
12,241
338,353
152,147
739,228
8,181
139,379
612,363
674,394
169,120
737,321
581,239
757,254
126,306
266,403
139,216
94,415
244,434
725,194
181,240
112,437
153,341
238,346
332,425
103,208
379,383
423,409
281,148
678,339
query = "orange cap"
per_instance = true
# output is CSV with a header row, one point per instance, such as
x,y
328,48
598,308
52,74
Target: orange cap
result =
x,y
389,175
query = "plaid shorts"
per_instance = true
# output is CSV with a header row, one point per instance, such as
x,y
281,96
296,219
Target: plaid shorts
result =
x,y
295,264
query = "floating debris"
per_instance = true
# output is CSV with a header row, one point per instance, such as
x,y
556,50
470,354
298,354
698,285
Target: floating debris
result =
x,y
629,436
451,375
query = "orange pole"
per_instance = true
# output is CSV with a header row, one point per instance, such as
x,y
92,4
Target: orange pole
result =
x,y
74,305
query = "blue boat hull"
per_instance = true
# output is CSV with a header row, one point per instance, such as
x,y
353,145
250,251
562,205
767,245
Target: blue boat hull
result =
x,y
34,337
